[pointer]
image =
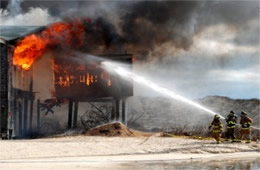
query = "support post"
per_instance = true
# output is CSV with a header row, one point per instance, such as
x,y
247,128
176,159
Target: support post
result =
x,y
3,89
31,114
117,109
38,115
113,113
31,104
124,114
15,115
20,117
75,118
70,114
25,116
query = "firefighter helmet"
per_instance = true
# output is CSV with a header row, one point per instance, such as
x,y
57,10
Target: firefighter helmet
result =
x,y
243,113
217,116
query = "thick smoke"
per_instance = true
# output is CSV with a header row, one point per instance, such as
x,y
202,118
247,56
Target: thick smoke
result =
x,y
144,29
190,40
137,27
101,36
141,30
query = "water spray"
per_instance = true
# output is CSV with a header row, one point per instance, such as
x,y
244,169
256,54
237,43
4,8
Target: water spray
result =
x,y
141,80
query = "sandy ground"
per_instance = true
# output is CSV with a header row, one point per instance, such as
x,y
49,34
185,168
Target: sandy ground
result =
x,y
84,152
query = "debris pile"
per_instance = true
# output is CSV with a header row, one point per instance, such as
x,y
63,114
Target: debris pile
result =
x,y
115,129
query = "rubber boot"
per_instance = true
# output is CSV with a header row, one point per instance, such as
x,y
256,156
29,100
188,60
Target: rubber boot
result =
x,y
238,140
248,141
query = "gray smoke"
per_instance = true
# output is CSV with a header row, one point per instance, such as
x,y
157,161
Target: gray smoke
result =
x,y
120,26
13,14
144,28
14,6
192,41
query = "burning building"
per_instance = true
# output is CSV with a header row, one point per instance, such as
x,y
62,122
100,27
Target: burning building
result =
x,y
68,81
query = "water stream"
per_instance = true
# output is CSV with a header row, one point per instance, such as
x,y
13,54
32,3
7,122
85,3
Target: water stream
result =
x,y
111,66
123,72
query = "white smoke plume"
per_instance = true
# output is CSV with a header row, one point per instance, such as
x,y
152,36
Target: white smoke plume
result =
x,y
15,7
14,16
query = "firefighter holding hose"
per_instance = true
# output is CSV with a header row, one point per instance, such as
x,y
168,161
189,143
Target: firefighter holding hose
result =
x,y
245,131
231,125
217,128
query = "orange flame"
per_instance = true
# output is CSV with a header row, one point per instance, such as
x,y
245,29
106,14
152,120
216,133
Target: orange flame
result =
x,y
33,46
67,75
28,50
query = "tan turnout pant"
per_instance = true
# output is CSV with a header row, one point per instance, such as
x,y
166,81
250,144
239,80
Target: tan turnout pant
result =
x,y
216,136
245,134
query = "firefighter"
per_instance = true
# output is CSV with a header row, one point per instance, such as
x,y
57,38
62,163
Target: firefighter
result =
x,y
231,125
245,131
217,128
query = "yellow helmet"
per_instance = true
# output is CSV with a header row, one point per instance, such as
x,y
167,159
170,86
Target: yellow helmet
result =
x,y
243,113
217,116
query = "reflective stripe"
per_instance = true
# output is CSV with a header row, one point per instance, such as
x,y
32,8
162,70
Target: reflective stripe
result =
x,y
231,127
245,128
246,124
231,122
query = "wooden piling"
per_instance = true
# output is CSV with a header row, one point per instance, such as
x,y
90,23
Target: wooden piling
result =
x,y
75,118
38,115
25,116
70,114
20,118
